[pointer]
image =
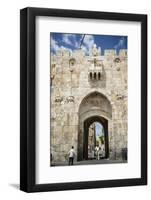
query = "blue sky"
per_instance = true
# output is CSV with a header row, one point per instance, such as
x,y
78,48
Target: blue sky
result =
x,y
72,42
99,129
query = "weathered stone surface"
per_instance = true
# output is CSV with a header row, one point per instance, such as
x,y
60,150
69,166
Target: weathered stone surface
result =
x,y
75,96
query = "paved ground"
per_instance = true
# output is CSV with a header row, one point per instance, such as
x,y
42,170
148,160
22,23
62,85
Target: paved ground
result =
x,y
90,162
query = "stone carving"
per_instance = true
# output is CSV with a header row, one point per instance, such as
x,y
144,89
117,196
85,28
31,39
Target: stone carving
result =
x,y
58,99
95,51
70,99
117,60
72,62
120,96
62,100
96,62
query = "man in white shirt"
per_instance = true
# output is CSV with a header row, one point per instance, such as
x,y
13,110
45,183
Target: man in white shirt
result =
x,y
71,155
97,152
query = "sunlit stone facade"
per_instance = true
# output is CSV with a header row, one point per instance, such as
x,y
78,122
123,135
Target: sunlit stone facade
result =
x,y
88,87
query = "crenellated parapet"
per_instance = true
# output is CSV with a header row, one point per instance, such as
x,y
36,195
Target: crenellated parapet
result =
x,y
94,52
94,62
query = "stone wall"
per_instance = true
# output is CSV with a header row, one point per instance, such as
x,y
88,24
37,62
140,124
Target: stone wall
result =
x,y
73,78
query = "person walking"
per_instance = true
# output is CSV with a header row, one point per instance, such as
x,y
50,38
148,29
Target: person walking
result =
x,y
97,152
71,155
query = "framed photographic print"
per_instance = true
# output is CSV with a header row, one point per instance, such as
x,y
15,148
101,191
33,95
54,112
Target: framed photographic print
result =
x,y
83,99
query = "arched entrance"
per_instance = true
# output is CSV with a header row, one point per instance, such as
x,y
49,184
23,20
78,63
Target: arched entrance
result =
x,y
95,107
87,123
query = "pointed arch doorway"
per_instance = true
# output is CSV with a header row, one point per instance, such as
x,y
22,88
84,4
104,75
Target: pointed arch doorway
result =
x,y
95,107
87,123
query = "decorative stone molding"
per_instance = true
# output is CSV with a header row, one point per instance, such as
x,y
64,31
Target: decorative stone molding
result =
x,y
95,51
72,62
95,72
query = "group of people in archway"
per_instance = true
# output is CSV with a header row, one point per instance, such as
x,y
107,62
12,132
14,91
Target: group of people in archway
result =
x,y
97,152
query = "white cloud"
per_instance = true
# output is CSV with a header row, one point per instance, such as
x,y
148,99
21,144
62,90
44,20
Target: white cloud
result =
x,y
88,43
66,39
70,39
85,49
65,48
54,45
120,43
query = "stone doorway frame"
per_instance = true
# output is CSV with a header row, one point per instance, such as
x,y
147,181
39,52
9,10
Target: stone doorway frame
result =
x,y
90,107
87,124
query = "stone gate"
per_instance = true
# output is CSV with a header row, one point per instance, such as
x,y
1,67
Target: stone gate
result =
x,y
87,88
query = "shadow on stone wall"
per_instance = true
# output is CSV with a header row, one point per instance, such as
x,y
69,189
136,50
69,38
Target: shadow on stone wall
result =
x,y
98,82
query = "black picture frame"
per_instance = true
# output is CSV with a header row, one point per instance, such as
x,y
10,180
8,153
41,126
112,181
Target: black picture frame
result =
x,y
28,99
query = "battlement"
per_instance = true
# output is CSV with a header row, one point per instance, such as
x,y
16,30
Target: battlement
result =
x,y
110,52
94,52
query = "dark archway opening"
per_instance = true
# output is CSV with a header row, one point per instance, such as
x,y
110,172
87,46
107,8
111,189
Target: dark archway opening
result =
x,y
91,139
